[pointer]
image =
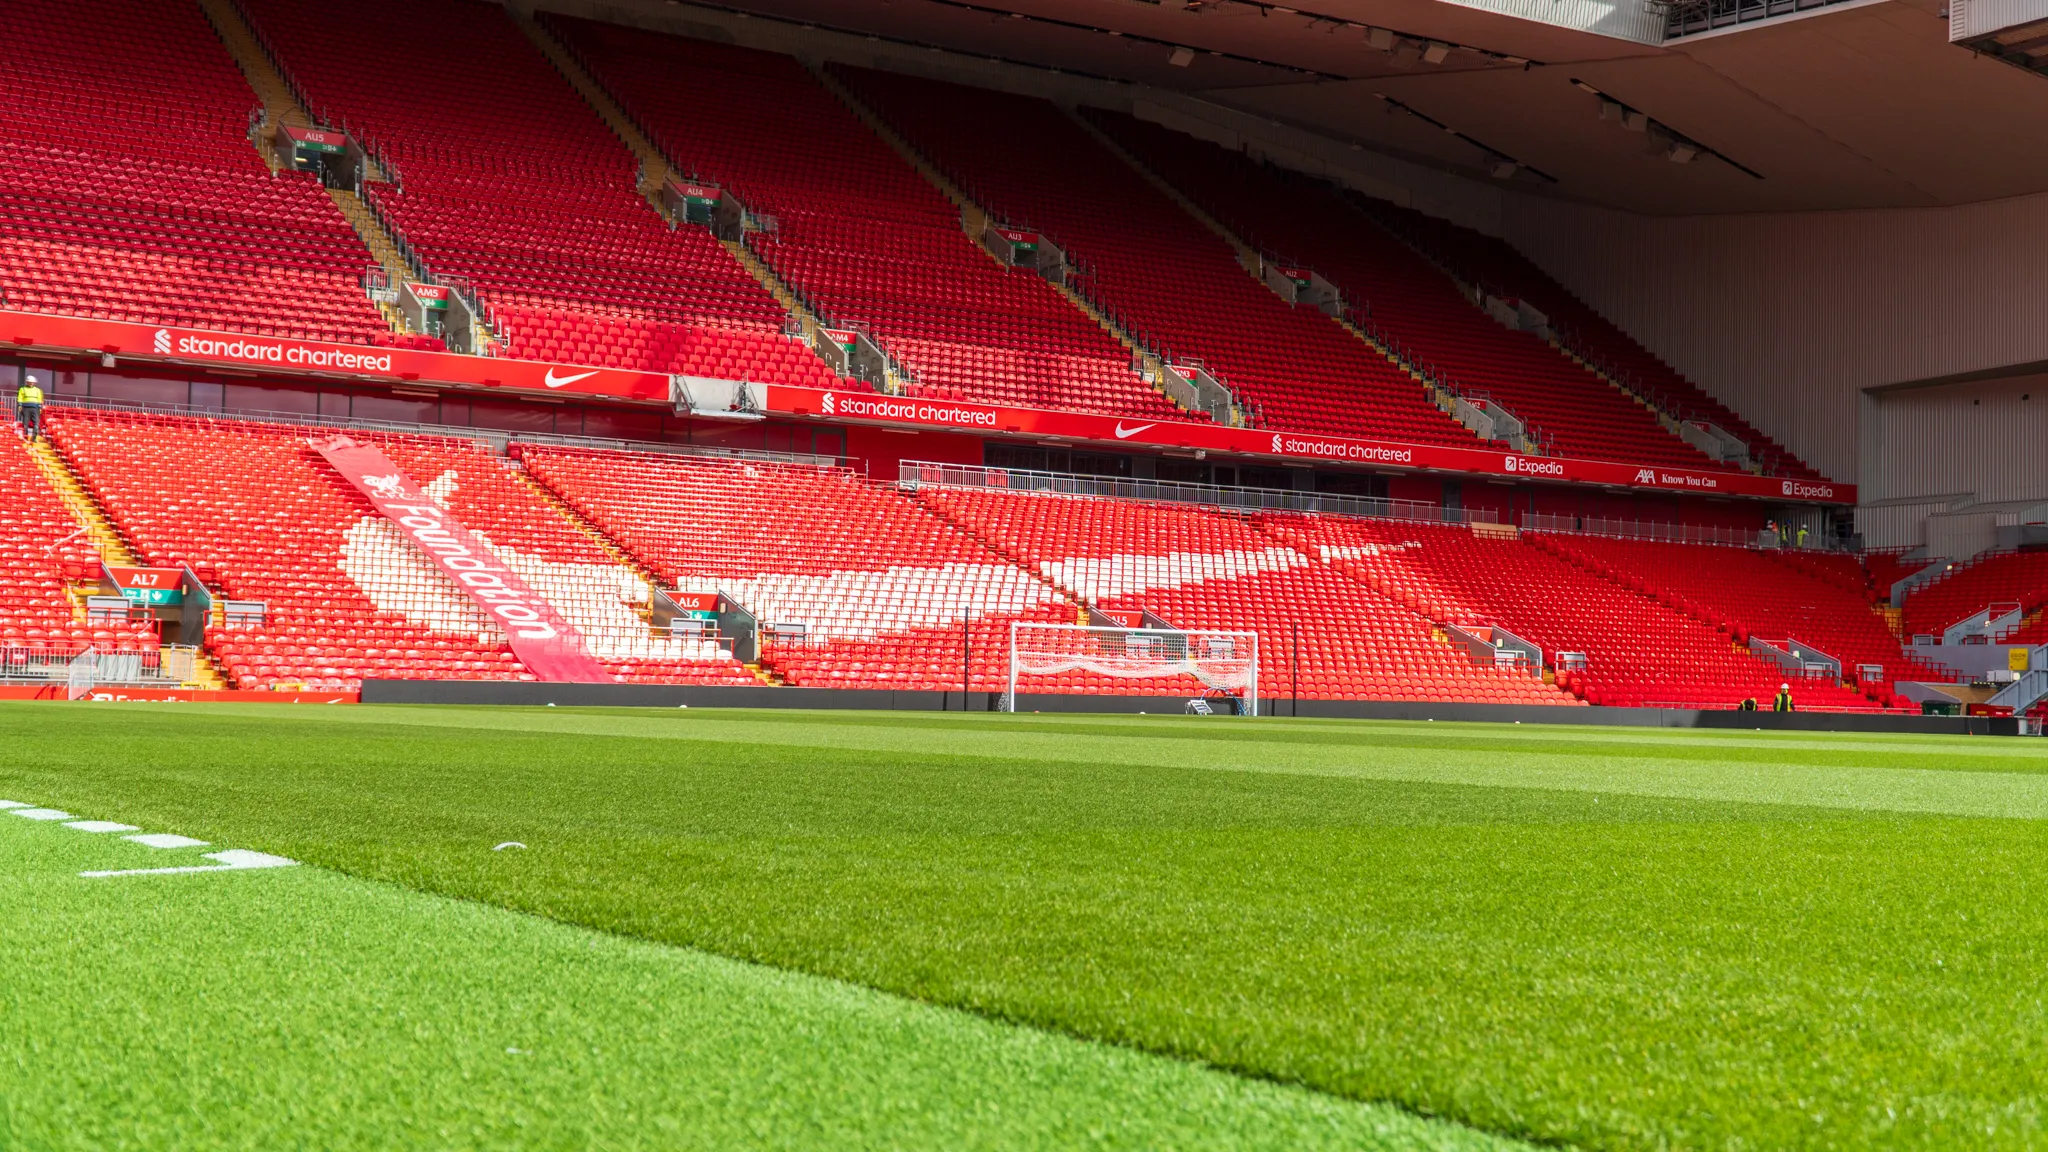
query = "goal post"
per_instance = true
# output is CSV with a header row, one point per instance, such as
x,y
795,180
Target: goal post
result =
x,y
1203,660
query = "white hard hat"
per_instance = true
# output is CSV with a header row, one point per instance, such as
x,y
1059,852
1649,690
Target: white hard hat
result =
x,y
1784,687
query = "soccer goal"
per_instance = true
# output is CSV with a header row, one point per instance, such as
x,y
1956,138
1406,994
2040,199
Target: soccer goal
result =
x,y
1206,661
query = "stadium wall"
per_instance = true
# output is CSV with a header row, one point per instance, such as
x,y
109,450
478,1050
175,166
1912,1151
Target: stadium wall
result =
x,y
1793,318
1954,501
516,693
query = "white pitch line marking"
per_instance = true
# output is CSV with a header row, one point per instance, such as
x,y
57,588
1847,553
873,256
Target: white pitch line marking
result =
x,y
12,804
101,826
232,860
42,814
166,840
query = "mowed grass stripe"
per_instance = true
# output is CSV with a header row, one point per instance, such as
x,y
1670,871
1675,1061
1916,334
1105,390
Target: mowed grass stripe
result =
x,y
1584,966
1955,776
310,1009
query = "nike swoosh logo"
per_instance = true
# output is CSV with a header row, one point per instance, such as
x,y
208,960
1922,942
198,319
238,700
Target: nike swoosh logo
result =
x,y
1123,433
554,381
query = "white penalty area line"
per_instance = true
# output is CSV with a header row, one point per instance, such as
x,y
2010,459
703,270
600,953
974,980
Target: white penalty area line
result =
x,y
232,860
229,860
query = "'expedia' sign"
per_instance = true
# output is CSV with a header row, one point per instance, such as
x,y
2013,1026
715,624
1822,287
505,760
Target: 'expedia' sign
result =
x,y
1533,466
1806,490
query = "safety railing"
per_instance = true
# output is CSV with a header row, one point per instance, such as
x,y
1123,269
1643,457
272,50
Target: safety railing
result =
x,y
1653,530
47,663
916,474
487,438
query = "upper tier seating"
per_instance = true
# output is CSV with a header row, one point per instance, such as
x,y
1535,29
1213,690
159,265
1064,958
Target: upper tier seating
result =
x,y
1308,223
41,546
1200,569
1154,268
508,179
129,191
1495,265
860,233
1753,593
348,596
1994,578
1640,651
878,584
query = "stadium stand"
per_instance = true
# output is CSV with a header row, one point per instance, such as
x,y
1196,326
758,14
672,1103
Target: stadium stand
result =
x,y
2000,577
505,182
509,181
255,511
859,232
1496,268
1773,596
1640,651
128,189
1302,222
1155,269
1202,569
1885,567
854,584
41,550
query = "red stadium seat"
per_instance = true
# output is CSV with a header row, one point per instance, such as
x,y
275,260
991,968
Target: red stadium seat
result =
x,y
128,189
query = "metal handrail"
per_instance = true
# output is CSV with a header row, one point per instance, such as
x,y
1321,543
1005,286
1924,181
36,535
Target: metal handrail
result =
x,y
916,474
488,438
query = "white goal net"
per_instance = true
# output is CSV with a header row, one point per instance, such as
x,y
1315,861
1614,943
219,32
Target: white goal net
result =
x,y
1076,658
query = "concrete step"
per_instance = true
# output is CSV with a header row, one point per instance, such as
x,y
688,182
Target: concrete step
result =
x,y
279,104
112,548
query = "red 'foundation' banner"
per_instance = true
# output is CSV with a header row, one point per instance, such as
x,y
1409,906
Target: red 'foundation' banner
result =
x,y
548,645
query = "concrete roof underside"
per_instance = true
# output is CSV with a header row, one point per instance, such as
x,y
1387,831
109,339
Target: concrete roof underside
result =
x,y
1860,105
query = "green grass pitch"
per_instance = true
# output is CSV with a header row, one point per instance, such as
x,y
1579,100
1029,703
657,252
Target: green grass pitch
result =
x,y
747,929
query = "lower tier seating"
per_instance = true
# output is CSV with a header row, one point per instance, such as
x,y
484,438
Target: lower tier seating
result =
x,y
1748,592
41,547
1321,633
858,584
1994,578
347,597
854,584
1640,651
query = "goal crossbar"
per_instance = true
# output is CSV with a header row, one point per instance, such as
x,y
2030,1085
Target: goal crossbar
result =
x,y
1223,661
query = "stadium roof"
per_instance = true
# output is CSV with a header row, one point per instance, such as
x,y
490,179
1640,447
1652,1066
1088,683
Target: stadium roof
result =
x,y
1858,104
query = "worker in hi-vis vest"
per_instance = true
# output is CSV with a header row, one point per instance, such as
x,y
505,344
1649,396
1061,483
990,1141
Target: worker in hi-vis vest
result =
x,y
1784,701
28,407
